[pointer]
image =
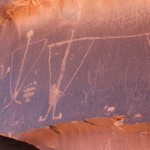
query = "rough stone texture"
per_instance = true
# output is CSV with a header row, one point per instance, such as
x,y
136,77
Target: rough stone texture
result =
x,y
91,134
73,60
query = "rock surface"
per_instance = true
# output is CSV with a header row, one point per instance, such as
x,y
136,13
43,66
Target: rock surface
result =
x,y
69,60
91,134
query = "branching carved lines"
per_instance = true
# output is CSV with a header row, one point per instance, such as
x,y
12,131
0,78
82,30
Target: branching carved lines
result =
x,y
92,82
55,92
45,42
95,38
79,66
15,95
63,65
100,69
19,84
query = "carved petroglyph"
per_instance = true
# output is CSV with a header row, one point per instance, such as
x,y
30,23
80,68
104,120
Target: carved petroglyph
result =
x,y
109,109
96,38
79,67
1,71
2,74
15,89
92,82
55,92
98,72
29,91
138,116
125,78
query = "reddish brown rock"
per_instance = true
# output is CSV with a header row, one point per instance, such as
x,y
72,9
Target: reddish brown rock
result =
x,y
90,134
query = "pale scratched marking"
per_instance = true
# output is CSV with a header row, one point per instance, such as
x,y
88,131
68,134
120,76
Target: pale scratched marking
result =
x,y
2,74
55,92
76,40
95,38
89,91
138,116
148,39
87,94
29,35
49,67
110,109
125,79
41,118
5,99
89,78
92,85
1,71
54,97
45,42
12,59
29,91
63,65
79,66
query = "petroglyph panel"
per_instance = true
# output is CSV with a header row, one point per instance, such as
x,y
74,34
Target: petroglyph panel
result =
x,y
71,71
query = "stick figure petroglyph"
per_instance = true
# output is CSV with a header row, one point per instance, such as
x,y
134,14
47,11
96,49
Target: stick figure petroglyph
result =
x,y
55,93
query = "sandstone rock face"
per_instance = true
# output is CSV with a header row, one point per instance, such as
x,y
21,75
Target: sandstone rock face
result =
x,y
64,60
90,134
